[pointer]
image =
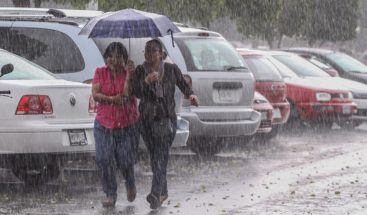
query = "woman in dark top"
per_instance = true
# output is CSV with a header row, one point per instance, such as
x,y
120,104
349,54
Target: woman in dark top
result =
x,y
154,84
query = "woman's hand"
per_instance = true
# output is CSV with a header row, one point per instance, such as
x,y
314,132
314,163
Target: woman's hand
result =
x,y
194,100
130,67
152,77
119,99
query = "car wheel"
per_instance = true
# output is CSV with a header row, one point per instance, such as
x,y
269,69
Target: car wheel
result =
x,y
205,146
35,171
273,133
321,124
349,124
294,120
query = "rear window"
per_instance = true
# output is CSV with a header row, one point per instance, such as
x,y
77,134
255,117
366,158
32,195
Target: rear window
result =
x,y
347,63
262,68
23,69
209,54
301,66
51,49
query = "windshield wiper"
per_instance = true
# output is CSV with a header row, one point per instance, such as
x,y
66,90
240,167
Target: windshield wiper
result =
x,y
229,68
357,71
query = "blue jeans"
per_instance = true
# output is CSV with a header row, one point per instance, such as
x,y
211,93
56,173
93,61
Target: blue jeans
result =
x,y
158,147
115,146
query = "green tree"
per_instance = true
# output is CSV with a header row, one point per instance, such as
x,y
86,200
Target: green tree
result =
x,y
293,18
332,20
196,11
256,18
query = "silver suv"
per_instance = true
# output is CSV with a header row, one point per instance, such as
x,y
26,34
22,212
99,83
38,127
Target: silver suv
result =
x,y
219,77
49,37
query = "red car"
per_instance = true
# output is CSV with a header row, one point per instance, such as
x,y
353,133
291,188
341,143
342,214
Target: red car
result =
x,y
262,105
269,83
314,100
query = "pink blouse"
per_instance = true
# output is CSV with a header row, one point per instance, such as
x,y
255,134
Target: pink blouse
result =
x,y
114,116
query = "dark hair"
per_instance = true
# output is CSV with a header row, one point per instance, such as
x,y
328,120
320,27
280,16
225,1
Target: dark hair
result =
x,y
116,46
156,43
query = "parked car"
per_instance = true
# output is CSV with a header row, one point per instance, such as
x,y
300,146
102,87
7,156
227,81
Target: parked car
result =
x,y
42,119
263,106
315,99
312,72
347,66
269,83
49,37
219,77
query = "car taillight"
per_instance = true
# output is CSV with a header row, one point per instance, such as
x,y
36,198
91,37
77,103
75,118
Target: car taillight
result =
x,y
92,105
34,104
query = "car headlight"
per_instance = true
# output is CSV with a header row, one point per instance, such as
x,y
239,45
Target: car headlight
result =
x,y
323,97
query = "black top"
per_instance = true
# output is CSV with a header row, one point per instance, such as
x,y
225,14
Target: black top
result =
x,y
172,77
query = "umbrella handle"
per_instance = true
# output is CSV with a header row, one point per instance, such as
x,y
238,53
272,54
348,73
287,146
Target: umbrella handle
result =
x,y
170,31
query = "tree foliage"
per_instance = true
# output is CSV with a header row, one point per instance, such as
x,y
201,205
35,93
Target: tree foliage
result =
x,y
332,20
256,18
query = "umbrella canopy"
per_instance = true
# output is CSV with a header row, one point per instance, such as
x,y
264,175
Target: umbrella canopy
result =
x,y
129,23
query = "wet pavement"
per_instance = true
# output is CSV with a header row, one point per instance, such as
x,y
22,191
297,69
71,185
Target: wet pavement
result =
x,y
308,172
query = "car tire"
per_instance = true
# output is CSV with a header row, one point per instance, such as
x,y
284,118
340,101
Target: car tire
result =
x,y
273,133
35,171
205,146
349,124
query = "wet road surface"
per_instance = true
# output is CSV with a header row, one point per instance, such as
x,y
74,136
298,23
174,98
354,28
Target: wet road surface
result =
x,y
304,172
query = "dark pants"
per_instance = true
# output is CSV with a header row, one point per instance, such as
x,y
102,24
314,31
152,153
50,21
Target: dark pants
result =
x,y
115,146
158,147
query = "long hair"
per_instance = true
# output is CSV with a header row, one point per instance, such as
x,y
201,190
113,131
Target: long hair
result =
x,y
116,46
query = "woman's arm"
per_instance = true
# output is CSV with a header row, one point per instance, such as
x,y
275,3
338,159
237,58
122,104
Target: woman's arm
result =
x,y
98,96
184,86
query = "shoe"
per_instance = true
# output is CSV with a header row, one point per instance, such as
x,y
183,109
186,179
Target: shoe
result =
x,y
131,193
163,198
153,201
108,202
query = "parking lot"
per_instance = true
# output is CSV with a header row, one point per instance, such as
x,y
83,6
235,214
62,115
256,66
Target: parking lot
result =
x,y
297,172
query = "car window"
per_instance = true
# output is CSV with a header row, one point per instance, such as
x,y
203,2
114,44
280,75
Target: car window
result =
x,y
209,54
51,49
262,68
284,71
347,63
23,69
300,66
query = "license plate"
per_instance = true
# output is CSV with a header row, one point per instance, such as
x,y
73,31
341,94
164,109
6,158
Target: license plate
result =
x,y
264,115
276,113
77,137
346,110
227,95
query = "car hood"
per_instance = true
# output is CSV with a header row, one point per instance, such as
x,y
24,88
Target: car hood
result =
x,y
318,83
354,86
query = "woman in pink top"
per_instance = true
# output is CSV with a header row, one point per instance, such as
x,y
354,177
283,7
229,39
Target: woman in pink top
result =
x,y
115,131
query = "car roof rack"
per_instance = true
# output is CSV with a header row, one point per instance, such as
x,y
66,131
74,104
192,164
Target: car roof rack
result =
x,y
46,12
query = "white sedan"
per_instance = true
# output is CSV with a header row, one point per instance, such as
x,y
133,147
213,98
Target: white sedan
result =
x,y
42,119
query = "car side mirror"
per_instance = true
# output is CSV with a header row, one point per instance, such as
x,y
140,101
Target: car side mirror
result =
x,y
6,69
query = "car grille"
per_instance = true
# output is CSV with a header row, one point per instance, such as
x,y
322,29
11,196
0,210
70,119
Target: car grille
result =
x,y
361,112
339,95
360,95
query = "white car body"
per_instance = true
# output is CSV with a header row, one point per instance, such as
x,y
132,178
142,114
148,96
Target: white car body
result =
x,y
44,133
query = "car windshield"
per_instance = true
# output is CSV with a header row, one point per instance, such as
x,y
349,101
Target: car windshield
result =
x,y
23,69
209,54
300,66
347,63
262,68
